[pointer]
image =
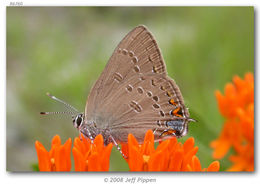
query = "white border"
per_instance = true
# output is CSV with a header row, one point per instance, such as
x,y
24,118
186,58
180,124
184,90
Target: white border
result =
x,y
94,178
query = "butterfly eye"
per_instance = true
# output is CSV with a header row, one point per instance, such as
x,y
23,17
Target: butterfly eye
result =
x,y
78,121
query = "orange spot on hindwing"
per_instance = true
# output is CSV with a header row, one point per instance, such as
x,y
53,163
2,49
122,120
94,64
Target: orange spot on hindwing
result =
x,y
172,102
177,112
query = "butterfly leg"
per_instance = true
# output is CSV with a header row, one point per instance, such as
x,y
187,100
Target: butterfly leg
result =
x,y
154,130
117,146
85,131
80,137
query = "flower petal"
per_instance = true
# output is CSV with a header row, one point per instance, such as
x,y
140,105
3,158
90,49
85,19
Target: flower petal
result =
x,y
43,157
187,158
106,156
99,143
176,160
135,158
93,164
124,147
79,161
157,161
148,145
62,157
56,141
195,164
188,144
214,166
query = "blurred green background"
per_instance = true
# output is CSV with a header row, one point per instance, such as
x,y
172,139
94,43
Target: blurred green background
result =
x,y
64,50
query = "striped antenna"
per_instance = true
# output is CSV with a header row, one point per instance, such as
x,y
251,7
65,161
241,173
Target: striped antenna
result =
x,y
65,112
63,102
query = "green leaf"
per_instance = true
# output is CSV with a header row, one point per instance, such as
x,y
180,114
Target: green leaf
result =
x,y
35,167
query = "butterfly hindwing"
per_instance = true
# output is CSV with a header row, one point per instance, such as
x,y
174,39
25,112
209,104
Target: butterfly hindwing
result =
x,y
154,103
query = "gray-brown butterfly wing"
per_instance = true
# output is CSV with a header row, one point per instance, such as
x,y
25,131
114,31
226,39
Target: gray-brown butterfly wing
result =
x,y
146,102
137,53
134,94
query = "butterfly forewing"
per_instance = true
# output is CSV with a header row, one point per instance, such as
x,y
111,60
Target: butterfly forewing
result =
x,y
134,94
137,53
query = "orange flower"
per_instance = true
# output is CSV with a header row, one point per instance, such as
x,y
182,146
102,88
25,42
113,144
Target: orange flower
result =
x,y
91,157
169,155
237,106
57,159
244,159
237,95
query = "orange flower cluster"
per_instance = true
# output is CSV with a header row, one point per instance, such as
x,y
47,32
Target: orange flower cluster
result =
x,y
91,157
57,159
168,156
237,106
87,156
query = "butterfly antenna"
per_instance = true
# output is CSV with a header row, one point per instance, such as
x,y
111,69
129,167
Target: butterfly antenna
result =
x,y
65,112
63,102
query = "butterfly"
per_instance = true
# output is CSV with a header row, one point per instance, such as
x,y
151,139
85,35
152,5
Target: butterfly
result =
x,y
133,94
